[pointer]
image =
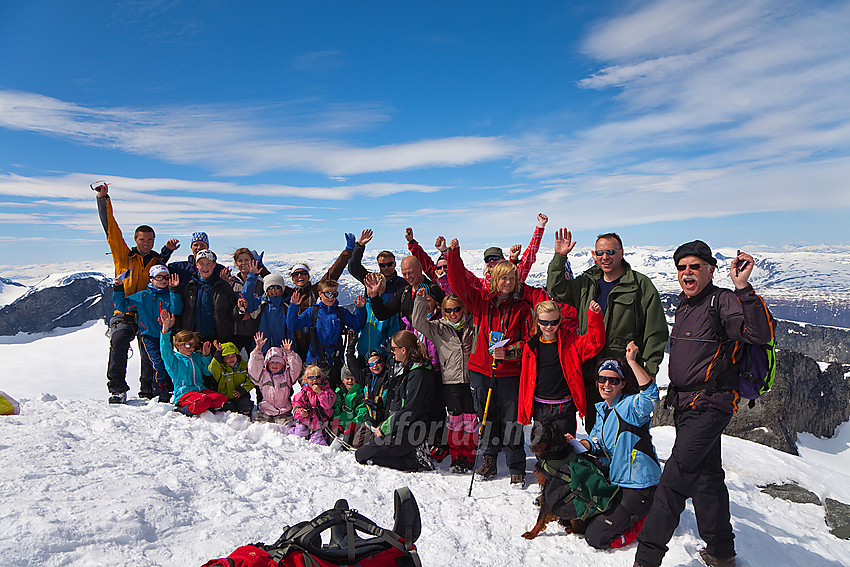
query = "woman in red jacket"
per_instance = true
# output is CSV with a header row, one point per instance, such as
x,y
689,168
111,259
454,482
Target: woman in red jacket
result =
x,y
550,384
498,313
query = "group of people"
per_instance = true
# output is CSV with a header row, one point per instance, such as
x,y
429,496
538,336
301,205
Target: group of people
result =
x,y
425,357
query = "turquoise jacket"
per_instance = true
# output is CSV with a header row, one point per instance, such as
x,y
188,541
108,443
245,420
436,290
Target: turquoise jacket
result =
x,y
187,372
621,437
148,303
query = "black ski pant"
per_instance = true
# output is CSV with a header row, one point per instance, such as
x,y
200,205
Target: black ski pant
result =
x,y
502,431
122,331
396,454
630,505
694,471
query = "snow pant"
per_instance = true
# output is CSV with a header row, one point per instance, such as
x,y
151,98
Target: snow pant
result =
x,y
629,507
362,435
316,436
564,414
694,470
199,402
161,384
398,454
122,329
461,423
437,433
280,419
502,431
242,404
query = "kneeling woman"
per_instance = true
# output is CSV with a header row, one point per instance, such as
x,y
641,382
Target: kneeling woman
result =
x,y
621,437
408,408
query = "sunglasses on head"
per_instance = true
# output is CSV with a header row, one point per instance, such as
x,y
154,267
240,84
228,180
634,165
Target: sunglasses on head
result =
x,y
488,259
610,252
546,323
693,267
331,294
451,309
613,380
386,264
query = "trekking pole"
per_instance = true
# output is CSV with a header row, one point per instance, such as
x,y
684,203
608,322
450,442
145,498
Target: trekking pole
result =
x,y
483,423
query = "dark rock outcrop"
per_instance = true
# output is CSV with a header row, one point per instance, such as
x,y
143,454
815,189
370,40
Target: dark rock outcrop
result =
x,y
803,398
792,493
71,303
824,344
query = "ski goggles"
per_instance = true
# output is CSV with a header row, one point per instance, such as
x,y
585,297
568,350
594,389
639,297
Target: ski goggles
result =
x,y
488,259
331,294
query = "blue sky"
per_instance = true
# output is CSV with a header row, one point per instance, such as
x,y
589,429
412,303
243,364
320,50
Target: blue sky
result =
x,y
281,125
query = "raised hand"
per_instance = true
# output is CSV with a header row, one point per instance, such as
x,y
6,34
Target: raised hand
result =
x,y
740,269
205,350
225,274
440,244
420,292
515,251
102,190
454,244
295,298
542,220
594,307
408,234
373,284
167,320
564,242
174,280
241,303
285,344
631,351
217,345
365,237
172,244
259,341
253,266
360,301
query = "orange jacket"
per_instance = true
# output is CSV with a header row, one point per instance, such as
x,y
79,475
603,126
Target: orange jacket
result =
x,y
573,350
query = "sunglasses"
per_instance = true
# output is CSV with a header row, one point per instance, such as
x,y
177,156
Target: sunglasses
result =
x,y
299,274
189,345
395,348
440,268
330,294
610,252
545,323
693,267
274,287
386,264
613,380
488,259
376,363
451,309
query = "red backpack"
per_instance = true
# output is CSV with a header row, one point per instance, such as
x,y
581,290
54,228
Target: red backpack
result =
x,y
301,545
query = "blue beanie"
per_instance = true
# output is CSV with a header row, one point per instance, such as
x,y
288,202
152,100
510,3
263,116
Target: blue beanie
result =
x,y
200,237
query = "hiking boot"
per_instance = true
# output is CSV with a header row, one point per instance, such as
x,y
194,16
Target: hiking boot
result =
x,y
423,459
118,398
713,561
147,394
461,466
518,481
488,467
165,397
439,453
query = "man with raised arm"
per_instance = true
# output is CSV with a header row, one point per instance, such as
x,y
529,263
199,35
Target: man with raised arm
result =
x,y
631,306
131,268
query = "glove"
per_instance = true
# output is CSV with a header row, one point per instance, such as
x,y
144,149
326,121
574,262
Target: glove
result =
x,y
258,257
350,240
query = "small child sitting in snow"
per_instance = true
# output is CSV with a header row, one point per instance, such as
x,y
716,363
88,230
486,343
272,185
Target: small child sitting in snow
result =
x,y
350,407
274,376
313,405
187,369
231,375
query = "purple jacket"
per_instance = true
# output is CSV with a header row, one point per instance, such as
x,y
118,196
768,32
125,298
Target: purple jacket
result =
x,y
320,406
275,388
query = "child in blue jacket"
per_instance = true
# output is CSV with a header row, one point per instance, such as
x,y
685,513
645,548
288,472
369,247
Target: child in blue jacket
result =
x,y
187,367
330,319
161,294
271,309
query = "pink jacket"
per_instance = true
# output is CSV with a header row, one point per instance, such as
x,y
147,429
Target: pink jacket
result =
x,y
320,406
275,388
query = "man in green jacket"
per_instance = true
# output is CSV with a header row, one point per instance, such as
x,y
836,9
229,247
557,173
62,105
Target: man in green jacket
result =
x,y
630,304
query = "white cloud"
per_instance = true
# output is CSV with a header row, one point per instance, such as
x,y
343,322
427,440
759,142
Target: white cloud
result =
x,y
238,141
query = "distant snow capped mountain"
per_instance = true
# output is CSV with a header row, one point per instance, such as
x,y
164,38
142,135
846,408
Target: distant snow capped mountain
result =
x,y
10,291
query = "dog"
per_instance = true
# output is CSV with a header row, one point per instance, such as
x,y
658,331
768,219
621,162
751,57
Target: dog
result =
x,y
548,443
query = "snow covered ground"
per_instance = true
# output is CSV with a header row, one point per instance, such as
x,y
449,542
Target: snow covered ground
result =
x,y
86,483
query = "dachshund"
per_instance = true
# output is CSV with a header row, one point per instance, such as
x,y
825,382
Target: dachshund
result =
x,y
548,443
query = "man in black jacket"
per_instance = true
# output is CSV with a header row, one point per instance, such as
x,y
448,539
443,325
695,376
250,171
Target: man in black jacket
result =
x,y
702,408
